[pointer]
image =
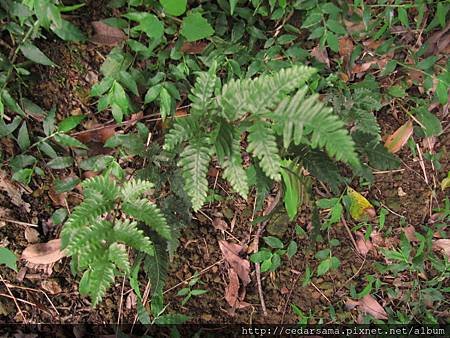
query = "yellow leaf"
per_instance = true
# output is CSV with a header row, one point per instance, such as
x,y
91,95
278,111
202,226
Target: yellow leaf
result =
x,y
399,138
360,207
446,182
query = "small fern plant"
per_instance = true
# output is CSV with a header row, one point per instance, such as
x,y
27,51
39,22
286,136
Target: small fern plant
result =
x,y
272,111
104,226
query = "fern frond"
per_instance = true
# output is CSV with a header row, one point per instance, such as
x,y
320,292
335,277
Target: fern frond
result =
x,y
134,188
194,162
262,143
119,256
233,170
156,266
127,232
182,130
101,277
101,184
262,94
143,211
203,91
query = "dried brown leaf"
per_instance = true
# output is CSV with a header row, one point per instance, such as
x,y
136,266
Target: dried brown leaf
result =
x,y
44,253
98,134
321,55
443,244
31,235
438,41
107,35
230,252
220,224
399,138
362,245
345,47
51,286
369,305
410,233
14,192
194,47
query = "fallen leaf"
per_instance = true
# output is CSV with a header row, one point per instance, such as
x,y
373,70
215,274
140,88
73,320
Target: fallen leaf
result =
x,y
44,253
362,245
51,286
399,138
369,305
230,252
220,224
445,183
196,47
59,200
443,244
131,301
321,55
360,207
14,192
350,304
98,134
345,47
438,41
31,235
363,67
107,35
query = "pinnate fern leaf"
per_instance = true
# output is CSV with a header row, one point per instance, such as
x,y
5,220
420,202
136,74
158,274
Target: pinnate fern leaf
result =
x,y
183,130
202,92
148,213
134,188
195,163
127,232
262,144
100,279
119,256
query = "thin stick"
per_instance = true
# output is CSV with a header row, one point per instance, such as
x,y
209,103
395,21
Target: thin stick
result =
x,y
289,297
320,291
25,302
387,171
422,164
34,290
121,301
14,299
344,222
18,222
352,277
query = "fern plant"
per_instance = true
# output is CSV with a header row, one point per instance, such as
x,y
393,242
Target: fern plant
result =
x,y
273,110
98,236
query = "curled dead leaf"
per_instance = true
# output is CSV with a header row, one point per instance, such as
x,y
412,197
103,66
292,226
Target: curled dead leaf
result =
x,y
362,245
230,252
399,138
14,192
220,224
321,55
98,134
107,35
31,235
44,253
438,41
233,295
51,286
196,47
345,47
443,244
369,305
410,233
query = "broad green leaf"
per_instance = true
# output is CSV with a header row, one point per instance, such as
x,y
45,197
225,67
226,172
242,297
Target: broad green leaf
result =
x,y
260,256
102,87
66,184
23,176
70,123
198,292
397,91
34,54
23,139
233,4
59,216
336,27
119,97
128,81
49,122
399,138
333,42
442,91
292,249
266,265
60,162
431,124
323,267
152,93
360,207
69,141
8,258
195,27
403,16
21,161
273,242
174,7
68,31
427,63
165,101
151,26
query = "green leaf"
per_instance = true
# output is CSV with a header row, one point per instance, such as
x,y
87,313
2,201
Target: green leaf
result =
x,y
292,249
34,54
233,4
336,27
70,123
260,256
128,81
195,27
66,184
324,267
23,176
8,258
174,7
68,31
60,162
69,141
59,216
165,101
23,139
198,292
333,42
403,17
151,26
49,122
431,124
397,91
152,93
273,242
427,63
